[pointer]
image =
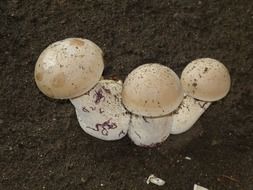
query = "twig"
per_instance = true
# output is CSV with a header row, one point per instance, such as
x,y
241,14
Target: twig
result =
x,y
231,178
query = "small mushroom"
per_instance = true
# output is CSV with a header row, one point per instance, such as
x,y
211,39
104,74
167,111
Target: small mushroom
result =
x,y
203,80
150,93
69,68
100,112
206,79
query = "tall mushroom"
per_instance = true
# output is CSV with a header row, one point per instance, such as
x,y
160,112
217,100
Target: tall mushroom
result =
x,y
71,69
151,92
204,81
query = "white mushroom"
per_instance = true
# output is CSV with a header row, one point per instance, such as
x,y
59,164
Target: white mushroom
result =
x,y
151,92
69,68
204,80
100,112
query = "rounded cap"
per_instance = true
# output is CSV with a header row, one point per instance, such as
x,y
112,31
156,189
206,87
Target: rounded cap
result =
x,y
206,79
152,90
69,68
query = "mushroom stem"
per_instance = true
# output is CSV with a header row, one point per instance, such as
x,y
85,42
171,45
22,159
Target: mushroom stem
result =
x,y
187,114
149,131
100,112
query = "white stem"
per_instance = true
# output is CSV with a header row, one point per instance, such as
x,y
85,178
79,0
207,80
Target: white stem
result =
x,y
148,131
100,112
187,114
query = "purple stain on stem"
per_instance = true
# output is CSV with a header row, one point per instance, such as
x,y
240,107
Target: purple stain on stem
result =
x,y
92,108
85,109
98,96
122,133
107,125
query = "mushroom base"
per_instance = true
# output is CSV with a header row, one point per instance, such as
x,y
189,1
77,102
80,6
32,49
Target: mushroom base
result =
x,y
149,131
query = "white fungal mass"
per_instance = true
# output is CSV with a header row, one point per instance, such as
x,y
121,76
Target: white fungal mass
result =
x,y
100,112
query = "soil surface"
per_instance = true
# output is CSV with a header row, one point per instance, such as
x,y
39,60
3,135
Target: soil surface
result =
x,y
42,145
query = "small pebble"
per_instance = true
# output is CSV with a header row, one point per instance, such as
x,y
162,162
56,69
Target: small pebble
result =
x,y
188,158
198,187
155,180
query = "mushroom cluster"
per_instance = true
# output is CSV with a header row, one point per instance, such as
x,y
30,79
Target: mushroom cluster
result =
x,y
152,103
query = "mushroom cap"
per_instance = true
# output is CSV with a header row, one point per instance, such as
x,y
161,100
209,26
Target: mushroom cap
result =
x,y
187,114
69,68
100,112
206,79
152,90
149,131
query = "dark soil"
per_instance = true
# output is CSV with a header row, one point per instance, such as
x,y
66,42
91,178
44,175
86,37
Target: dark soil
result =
x,y
41,143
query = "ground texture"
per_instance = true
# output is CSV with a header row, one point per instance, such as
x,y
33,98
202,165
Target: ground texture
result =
x,y
41,143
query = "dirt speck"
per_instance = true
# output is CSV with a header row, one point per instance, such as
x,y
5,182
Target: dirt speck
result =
x,y
205,70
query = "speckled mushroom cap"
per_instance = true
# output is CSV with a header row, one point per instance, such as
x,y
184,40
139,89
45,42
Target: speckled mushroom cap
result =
x,y
152,90
69,68
206,79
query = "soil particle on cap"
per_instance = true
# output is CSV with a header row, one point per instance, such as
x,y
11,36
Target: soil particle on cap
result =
x,y
205,70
